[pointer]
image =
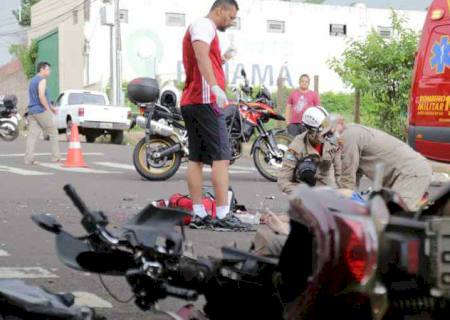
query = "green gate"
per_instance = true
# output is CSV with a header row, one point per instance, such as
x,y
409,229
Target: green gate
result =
x,y
48,51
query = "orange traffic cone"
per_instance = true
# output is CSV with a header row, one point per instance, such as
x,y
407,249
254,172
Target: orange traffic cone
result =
x,y
74,155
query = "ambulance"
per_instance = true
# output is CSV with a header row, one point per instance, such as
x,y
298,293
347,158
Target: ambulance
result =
x,y
429,107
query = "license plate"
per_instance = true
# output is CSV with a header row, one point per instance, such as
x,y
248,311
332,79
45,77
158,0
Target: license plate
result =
x,y
106,125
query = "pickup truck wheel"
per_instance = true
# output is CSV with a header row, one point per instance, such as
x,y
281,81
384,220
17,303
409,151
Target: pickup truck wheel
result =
x,y
90,138
117,137
68,130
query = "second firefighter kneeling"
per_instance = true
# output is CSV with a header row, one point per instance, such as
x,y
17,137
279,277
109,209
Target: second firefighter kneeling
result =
x,y
314,157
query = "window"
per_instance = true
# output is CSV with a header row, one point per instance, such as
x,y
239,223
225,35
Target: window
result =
x,y
123,15
338,30
175,19
58,101
86,98
75,16
236,24
275,26
385,32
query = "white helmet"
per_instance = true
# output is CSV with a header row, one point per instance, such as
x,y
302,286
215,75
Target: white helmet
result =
x,y
314,117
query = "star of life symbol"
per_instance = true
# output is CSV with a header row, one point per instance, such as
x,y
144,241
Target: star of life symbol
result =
x,y
440,55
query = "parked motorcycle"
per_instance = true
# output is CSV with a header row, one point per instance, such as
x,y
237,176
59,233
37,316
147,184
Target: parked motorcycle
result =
x,y
20,301
9,118
159,154
340,258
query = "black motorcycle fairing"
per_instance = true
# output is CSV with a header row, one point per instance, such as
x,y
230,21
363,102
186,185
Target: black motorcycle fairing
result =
x,y
20,299
78,254
152,224
236,255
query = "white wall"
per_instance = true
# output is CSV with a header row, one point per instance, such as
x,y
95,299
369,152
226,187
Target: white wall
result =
x,y
303,48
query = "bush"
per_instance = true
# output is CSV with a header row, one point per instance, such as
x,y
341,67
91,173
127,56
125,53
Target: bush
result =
x,y
27,57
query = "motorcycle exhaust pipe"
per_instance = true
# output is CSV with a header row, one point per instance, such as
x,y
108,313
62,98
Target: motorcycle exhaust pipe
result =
x,y
156,127
167,152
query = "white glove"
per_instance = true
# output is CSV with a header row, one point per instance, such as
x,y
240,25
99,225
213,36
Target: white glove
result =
x,y
221,97
229,54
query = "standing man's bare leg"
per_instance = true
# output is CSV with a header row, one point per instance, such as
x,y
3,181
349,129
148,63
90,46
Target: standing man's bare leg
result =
x,y
194,178
220,181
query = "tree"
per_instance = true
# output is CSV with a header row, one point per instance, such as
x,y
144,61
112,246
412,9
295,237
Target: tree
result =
x,y
23,15
27,57
381,68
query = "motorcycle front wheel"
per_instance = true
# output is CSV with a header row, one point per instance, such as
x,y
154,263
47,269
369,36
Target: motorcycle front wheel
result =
x,y
266,164
155,169
9,131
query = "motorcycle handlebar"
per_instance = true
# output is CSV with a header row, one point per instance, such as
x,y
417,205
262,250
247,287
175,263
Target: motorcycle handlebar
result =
x,y
73,195
92,221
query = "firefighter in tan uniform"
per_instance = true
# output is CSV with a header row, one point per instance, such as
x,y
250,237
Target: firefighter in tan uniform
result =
x,y
406,171
321,154
318,140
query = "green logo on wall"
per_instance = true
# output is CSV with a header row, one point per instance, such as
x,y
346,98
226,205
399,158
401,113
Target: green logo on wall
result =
x,y
144,50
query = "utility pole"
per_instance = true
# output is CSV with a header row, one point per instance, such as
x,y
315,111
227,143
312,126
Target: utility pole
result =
x,y
118,45
112,66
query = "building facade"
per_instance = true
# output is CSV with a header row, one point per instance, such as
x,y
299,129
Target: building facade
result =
x,y
273,39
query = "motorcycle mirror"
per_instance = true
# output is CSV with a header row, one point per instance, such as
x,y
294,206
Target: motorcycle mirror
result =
x,y
47,222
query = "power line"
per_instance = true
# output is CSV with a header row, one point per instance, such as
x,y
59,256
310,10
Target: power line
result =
x,y
60,15
48,21
53,5
42,11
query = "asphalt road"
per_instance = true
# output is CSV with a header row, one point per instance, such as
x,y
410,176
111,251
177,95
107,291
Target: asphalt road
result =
x,y
110,184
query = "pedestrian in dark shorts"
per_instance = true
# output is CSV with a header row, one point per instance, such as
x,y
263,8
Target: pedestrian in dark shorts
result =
x,y
201,106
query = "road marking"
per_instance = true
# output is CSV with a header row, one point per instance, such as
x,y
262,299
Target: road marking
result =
x,y
58,166
207,169
243,168
12,155
232,171
3,253
23,172
25,273
117,165
90,300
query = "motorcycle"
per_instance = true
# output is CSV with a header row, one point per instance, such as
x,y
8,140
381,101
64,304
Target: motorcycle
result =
x,y
159,154
20,301
9,118
361,262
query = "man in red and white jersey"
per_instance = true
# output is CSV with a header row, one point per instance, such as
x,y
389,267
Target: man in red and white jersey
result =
x,y
201,106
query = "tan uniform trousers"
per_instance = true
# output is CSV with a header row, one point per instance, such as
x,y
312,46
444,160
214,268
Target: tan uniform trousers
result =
x,y
41,122
268,243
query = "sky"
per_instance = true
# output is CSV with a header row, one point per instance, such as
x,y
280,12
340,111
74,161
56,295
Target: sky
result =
x,y
8,24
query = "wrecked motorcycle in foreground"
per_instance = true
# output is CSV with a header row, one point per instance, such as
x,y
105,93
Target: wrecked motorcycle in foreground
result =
x,y
374,262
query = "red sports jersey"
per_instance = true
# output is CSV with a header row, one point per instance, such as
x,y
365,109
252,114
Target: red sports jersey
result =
x,y
196,89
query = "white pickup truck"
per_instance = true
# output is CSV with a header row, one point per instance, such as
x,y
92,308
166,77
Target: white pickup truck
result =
x,y
91,111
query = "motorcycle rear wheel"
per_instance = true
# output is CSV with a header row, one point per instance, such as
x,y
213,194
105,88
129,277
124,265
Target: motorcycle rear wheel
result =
x,y
11,129
261,159
151,169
